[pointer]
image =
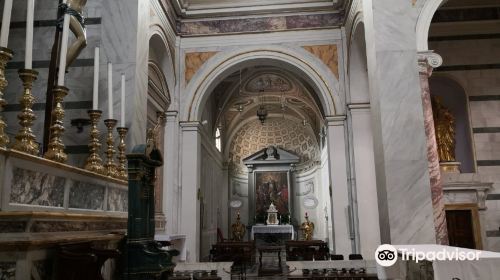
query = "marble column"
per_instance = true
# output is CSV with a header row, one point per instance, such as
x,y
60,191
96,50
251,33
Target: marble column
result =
x,y
400,144
190,185
171,193
337,156
364,170
426,62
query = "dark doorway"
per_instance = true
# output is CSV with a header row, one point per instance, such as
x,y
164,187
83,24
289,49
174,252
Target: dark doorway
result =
x,y
460,228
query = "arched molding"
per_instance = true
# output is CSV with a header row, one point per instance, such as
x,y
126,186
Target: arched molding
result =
x,y
157,35
355,14
297,60
157,86
357,65
424,23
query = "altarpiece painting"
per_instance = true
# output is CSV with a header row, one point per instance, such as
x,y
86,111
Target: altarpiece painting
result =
x,y
271,186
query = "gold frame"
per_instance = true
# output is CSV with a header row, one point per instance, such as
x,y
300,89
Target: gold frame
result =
x,y
476,222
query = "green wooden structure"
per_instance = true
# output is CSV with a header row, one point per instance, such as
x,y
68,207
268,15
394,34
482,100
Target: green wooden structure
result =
x,y
143,258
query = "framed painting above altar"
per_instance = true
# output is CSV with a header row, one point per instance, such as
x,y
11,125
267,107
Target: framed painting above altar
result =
x,y
272,186
269,180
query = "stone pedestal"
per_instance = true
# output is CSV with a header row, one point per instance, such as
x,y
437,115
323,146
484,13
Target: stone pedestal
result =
x,y
449,167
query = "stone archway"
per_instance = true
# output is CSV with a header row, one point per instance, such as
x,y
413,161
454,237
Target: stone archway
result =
x,y
201,85
298,60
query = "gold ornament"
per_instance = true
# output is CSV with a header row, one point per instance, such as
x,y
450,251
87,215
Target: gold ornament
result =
x,y
94,161
25,139
444,125
110,165
122,158
55,150
238,229
307,228
5,56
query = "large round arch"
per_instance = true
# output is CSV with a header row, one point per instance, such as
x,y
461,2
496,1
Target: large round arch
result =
x,y
424,23
160,53
299,61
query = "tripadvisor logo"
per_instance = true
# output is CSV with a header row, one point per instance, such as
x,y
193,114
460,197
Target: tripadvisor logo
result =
x,y
386,255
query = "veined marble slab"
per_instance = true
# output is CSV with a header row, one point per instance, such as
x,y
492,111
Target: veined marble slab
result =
x,y
37,188
86,196
30,183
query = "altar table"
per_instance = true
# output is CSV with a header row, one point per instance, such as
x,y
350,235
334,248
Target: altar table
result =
x,y
272,229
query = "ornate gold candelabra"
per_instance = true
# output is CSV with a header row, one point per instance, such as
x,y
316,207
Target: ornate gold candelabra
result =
x,y
94,161
55,150
122,158
110,165
25,139
5,56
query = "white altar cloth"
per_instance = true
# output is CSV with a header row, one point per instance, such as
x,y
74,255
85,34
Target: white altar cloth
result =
x,y
272,229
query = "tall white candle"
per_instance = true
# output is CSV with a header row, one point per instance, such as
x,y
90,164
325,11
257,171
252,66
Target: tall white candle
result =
x,y
63,50
4,33
30,10
122,103
110,90
95,97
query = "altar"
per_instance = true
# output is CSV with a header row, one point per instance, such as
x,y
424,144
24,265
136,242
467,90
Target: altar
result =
x,y
274,229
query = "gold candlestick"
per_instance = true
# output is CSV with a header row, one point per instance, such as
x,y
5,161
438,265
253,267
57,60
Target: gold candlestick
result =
x,y
25,139
94,161
55,150
110,165
122,158
5,56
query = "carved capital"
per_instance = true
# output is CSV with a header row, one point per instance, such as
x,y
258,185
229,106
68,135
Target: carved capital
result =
x,y
427,61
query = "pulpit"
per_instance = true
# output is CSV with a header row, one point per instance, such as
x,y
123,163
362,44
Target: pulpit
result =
x,y
143,256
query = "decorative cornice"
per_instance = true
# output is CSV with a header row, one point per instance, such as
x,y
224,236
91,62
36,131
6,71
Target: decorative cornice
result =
x,y
190,126
188,10
335,120
358,106
479,188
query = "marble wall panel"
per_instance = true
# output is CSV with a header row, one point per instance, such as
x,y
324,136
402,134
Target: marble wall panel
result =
x,y
487,146
485,113
36,188
13,226
312,21
262,24
86,196
489,170
8,270
117,200
64,226
453,51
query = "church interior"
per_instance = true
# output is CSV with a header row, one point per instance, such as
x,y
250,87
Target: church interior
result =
x,y
218,139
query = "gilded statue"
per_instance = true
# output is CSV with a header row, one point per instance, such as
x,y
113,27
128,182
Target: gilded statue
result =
x,y
238,229
77,25
444,125
307,228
